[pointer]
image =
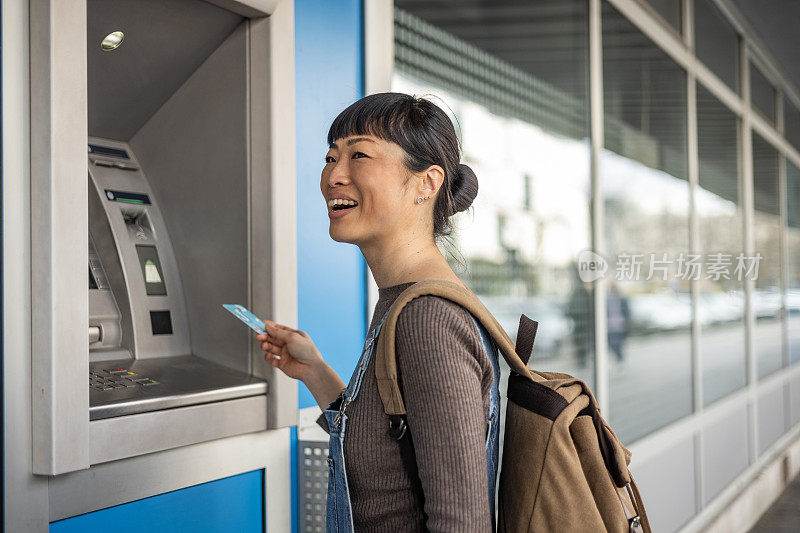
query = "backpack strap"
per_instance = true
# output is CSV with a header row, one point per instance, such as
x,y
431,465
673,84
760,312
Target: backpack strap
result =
x,y
526,334
386,364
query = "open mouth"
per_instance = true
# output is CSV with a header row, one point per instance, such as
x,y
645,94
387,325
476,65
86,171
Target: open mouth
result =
x,y
341,207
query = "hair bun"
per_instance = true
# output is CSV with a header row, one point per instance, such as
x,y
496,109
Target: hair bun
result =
x,y
464,187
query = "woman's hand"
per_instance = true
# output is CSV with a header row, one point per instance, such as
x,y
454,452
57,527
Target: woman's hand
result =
x,y
293,351
290,350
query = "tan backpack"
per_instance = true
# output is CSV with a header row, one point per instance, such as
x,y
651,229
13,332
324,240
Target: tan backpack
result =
x,y
563,468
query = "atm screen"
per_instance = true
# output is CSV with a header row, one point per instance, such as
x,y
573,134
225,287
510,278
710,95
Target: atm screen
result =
x,y
151,270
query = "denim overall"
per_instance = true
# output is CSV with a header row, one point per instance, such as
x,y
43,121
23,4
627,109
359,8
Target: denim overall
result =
x,y
338,515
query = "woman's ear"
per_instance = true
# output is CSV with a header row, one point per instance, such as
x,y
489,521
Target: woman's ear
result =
x,y
431,180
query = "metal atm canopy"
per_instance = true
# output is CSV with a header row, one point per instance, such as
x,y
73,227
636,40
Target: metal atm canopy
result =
x,y
204,98
165,42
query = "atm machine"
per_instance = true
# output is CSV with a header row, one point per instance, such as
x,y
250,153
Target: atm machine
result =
x,y
162,187
140,350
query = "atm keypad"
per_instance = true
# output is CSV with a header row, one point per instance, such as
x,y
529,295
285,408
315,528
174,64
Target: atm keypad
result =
x,y
117,378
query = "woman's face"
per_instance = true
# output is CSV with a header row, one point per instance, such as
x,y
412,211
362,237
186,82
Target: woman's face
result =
x,y
370,171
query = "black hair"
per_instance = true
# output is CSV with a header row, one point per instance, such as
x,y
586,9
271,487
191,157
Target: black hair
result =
x,y
427,136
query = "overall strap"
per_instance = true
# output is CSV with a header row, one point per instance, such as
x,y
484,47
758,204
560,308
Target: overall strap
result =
x,y
354,385
386,364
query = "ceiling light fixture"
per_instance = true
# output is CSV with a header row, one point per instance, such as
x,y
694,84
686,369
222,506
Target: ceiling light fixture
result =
x,y
112,41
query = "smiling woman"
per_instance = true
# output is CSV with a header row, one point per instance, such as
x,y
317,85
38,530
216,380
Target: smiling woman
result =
x,y
419,135
391,181
388,154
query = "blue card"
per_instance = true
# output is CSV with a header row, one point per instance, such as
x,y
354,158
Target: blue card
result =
x,y
241,312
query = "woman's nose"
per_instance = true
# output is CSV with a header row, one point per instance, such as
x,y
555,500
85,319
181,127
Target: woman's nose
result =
x,y
339,174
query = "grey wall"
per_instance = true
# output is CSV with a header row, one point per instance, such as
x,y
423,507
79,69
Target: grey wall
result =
x,y
794,400
724,453
666,483
770,417
165,42
194,154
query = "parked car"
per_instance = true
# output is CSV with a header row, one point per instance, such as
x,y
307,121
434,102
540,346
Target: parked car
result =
x,y
766,303
554,325
793,301
660,312
720,307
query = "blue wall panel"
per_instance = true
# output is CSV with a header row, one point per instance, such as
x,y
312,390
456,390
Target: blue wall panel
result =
x,y
293,474
234,503
331,275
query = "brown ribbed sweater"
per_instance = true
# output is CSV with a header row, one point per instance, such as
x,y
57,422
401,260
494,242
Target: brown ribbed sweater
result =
x,y
446,377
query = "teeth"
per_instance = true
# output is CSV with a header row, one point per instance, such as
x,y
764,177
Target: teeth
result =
x,y
340,201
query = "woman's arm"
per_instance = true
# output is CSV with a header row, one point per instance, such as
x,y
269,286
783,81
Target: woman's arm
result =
x,y
325,384
442,363
294,353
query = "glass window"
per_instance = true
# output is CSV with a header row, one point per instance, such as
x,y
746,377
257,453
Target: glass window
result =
x,y
793,253
716,42
721,301
670,10
766,237
762,93
643,182
791,123
516,76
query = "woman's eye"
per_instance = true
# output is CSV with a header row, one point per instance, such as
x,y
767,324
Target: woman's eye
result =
x,y
329,159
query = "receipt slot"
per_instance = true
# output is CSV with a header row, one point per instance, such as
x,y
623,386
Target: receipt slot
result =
x,y
162,187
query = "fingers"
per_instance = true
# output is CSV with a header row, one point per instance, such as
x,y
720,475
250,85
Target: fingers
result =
x,y
279,328
271,347
272,351
275,334
274,360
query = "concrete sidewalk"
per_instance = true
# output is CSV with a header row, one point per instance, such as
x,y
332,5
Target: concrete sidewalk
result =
x,y
784,514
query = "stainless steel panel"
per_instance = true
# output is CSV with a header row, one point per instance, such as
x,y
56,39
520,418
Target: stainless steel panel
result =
x,y
25,499
194,154
182,380
273,237
58,236
127,436
164,44
148,475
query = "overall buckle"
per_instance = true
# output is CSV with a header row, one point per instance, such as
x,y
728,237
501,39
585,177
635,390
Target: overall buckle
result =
x,y
345,400
397,426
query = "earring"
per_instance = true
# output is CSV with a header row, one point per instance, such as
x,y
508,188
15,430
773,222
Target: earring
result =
x,y
420,199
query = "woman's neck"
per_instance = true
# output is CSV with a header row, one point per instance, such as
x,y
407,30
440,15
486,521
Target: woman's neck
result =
x,y
411,262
